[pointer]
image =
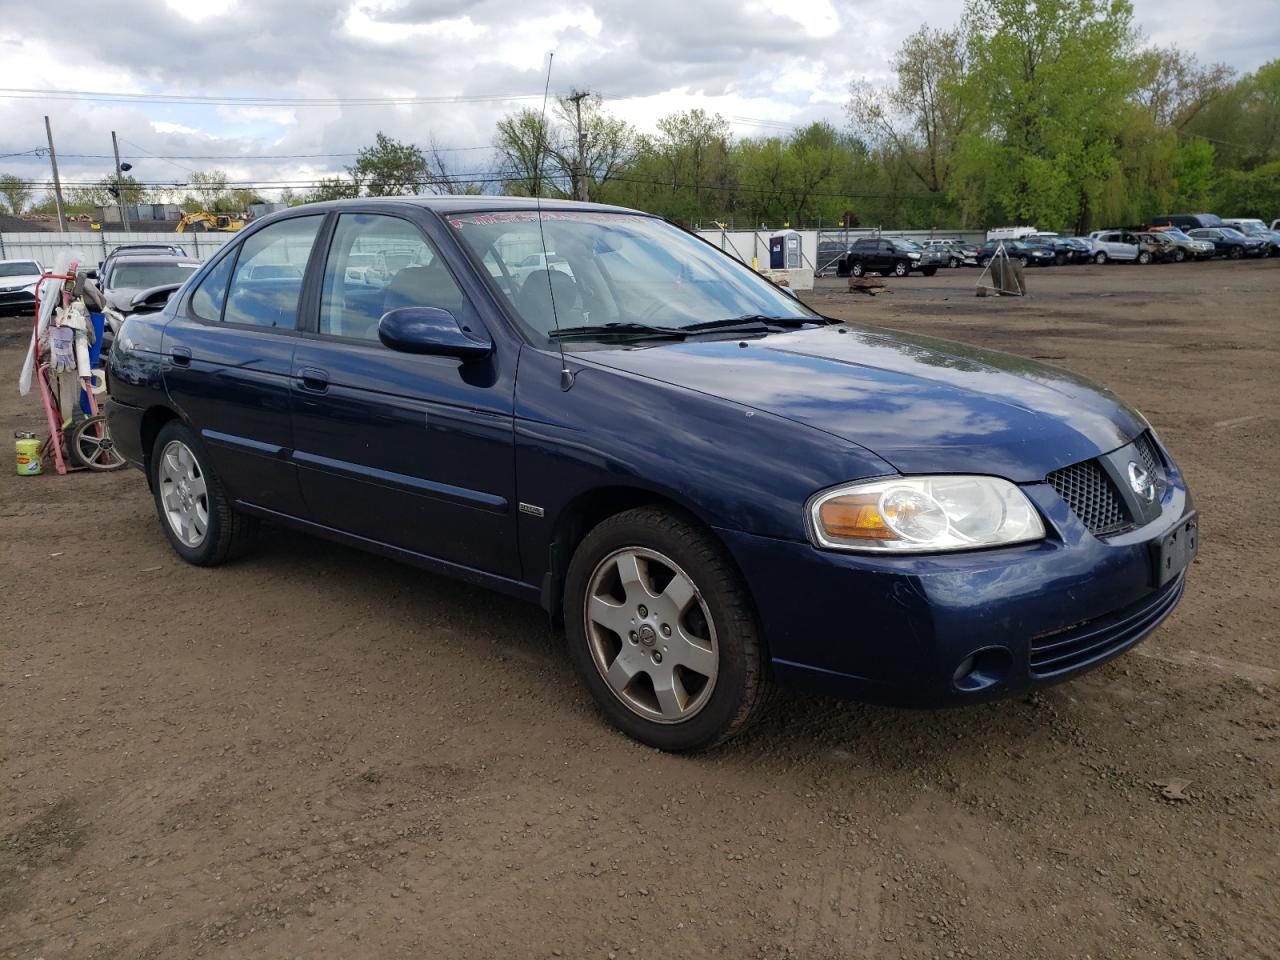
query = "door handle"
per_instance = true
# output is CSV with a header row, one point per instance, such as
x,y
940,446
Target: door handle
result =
x,y
181,356
314,379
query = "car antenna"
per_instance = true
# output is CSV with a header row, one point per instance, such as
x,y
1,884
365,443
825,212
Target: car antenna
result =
x,y
566,375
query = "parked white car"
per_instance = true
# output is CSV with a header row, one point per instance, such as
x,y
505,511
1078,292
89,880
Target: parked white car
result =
x,y
18,280
1113,245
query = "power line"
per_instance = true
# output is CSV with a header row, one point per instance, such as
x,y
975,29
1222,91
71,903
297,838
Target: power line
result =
x,y
27,93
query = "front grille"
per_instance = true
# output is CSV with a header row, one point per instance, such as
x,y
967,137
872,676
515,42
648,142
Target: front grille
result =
x,y
1093,640
1150,457
1091,496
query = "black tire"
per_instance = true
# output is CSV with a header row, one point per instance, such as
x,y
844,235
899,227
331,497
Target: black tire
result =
x,y
901,268
1100,258
740,688
90,446
1060,260
1144,257
857,269
953,263
1179,255
928,271
984,262
1236,253
1025,261
227,534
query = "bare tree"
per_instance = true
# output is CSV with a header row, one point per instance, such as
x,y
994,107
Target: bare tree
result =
x,y
1175,87
922,117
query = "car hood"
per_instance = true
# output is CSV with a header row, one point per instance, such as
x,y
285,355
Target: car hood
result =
x,y
923,405
121,298
25,280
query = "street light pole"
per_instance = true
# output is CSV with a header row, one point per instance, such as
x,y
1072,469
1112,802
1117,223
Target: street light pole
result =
x,y
124,219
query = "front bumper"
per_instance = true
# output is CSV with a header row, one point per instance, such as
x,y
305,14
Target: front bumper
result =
x,y
896,630
17,300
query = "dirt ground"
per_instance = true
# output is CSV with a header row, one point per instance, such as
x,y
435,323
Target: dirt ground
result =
x,y
315,752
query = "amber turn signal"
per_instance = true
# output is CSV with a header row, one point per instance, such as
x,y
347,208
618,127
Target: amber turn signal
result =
x,y
854,516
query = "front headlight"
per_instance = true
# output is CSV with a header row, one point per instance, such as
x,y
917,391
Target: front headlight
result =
x,y
922,515
914,256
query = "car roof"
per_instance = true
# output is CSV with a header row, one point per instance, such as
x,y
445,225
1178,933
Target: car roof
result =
x,y
159,258
22,260
466,203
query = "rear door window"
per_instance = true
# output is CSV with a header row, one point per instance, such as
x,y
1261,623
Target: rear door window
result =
x,y
267,284
211,294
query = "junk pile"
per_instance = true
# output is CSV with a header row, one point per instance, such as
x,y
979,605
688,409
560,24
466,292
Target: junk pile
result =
x,y
62,359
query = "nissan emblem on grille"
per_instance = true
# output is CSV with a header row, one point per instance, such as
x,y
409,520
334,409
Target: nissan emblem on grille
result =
x,y
1141,482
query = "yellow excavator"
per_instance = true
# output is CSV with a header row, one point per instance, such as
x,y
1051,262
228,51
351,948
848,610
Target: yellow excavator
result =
x,y
212,222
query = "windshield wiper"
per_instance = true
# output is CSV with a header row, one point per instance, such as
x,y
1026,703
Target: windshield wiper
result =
x,y
751,322
629,331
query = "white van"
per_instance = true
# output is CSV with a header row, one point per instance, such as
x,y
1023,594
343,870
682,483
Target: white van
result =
x,y
1010,233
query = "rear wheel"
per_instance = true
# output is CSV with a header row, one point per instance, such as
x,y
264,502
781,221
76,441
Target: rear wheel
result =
x,y
1236,253
901,268
1179,255
1025,261
194,510
662,632
1099,257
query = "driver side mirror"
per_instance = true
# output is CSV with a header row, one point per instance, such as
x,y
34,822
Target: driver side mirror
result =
x,y
432,331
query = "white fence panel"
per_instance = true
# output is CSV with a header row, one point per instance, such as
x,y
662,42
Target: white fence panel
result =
x,y
94,245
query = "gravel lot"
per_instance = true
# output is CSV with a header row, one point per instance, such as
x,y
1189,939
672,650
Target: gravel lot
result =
x,y
315,752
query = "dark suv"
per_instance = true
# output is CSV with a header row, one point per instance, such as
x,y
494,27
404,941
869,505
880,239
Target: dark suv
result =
x,y
891,255
1231,243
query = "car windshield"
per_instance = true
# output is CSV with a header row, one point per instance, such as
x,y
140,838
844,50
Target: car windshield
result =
x,y
618,268
19,268
1232,233
140,276
1248,228
906,244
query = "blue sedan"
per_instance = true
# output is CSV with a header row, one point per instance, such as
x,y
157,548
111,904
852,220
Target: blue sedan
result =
x,y
712,487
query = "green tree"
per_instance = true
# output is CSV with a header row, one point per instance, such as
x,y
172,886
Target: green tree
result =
x,y
922,117
544,155
524,161
333,188
16,192
390,168
1048,82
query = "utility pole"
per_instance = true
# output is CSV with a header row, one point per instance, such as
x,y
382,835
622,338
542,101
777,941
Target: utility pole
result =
x,y
584,192
124,219
57,184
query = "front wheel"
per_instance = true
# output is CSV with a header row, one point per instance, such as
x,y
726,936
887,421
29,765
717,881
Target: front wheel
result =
x,y
1236,253
1099,258
194,509
857,269
1025,261
953,263
984,262
1144,258
662,631
901,268
1179,255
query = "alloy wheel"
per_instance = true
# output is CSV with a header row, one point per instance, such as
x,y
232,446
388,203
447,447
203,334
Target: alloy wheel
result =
x,y
651,635
183,493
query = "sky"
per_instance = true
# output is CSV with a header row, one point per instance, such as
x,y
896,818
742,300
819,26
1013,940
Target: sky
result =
x,y
767,65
